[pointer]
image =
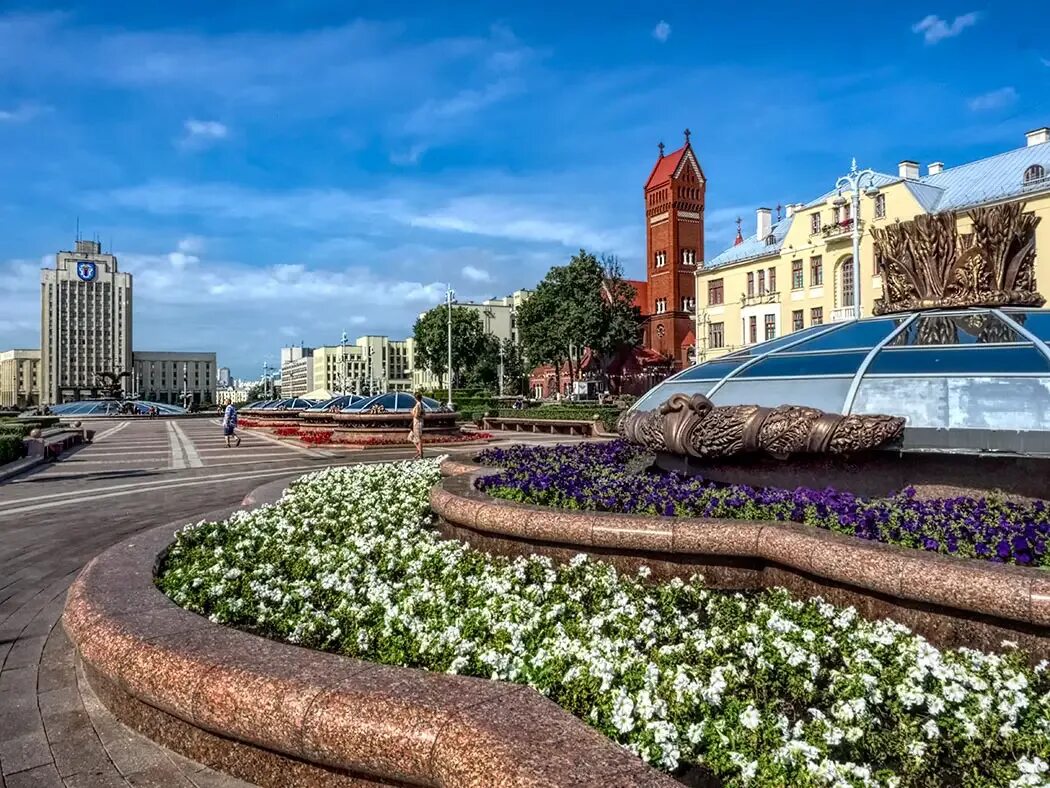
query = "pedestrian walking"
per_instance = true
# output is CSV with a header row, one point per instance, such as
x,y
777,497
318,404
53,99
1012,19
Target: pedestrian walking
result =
x,y
229,425
416,434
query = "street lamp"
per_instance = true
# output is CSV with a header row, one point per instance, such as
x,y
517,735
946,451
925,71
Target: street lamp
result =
x,y
345,370
450,294
853,181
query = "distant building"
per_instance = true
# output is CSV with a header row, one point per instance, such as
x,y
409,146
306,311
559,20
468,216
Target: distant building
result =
x,y
231,395
225,379
85,323
297,371
498,317
19,378
175,378
373,364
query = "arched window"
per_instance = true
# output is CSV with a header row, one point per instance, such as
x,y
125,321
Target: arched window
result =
x,y
846,286
1034,173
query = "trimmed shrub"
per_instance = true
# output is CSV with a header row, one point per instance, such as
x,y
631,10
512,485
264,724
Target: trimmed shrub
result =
x,y
10,448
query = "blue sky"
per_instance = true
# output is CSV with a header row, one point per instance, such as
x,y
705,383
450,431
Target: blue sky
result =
x,y
280,172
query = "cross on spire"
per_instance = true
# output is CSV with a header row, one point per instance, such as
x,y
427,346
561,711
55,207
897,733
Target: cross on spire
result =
x,y
739,236
779,208
687,133
661,147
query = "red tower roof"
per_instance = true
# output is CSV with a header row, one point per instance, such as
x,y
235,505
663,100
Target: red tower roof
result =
x,y
641,293
666,166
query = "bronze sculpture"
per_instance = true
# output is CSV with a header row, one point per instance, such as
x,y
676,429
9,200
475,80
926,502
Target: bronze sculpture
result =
x,y
926,264
695,427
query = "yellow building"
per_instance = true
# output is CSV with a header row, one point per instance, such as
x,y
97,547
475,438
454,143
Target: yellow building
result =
x,y
374,364
798,271
19,378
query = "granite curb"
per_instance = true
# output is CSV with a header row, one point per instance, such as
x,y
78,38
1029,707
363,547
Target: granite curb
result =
x,y
1018,594
336,720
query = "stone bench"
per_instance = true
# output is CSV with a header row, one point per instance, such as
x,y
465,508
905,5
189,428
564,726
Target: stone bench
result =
x,y
551,426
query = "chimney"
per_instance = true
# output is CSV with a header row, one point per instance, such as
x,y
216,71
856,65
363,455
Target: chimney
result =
x,y
908,169
1037,136
935,168
764,222
789,210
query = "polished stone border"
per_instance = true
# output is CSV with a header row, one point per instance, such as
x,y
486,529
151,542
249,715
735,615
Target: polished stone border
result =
x,y
267,710
1009,595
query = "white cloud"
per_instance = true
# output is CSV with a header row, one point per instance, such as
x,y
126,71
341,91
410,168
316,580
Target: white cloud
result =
x,y
201,133
22,113
993,99
476,274
1045,61
935,29
662,31
186,251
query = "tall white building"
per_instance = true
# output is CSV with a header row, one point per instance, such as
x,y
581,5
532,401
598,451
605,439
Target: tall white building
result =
x,y
225,378
85,324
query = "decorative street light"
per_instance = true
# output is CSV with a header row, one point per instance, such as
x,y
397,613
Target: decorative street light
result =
x,y
853,181
343,365
450,294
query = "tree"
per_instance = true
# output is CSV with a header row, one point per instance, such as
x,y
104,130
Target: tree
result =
x,y
513,368
585,304
256,392
469,340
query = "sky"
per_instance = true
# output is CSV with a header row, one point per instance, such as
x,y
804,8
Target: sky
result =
x,y
276,173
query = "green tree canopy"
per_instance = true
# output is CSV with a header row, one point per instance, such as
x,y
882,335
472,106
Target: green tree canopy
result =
x,y
469,341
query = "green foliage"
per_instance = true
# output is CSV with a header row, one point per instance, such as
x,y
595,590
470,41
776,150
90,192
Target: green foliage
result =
x,y
10,447
469,341
604,414
584,304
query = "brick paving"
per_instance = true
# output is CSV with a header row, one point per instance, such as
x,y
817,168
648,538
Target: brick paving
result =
x,y
53,730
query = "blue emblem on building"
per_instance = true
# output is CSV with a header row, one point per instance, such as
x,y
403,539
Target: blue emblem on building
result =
x,y
86,270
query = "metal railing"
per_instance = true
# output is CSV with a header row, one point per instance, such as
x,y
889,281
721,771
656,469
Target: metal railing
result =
x,y
843,313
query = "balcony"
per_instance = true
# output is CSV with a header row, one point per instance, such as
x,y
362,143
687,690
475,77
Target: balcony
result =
x,y
839,230
767,297
843,313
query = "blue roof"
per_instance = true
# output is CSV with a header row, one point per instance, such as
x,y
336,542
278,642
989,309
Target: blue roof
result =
x,y
752,246
987,180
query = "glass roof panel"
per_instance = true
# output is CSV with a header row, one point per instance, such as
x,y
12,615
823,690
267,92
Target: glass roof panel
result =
x,y
773,344
710,370
959,360
781,365
1035,320
828,394
858,334
657,396
973,328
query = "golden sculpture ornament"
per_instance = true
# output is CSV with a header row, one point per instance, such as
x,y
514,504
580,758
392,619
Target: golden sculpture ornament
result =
x,y
927,264
694,426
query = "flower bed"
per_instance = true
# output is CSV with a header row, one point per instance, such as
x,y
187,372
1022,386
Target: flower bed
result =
x,y
597,477
760,689
335,438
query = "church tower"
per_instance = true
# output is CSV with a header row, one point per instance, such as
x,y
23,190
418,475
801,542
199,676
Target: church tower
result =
x,y
674,232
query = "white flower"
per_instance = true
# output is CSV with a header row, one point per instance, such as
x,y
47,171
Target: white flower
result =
x,y
750,718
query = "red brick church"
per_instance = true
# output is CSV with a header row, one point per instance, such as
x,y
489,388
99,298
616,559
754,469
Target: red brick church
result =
x,y
666,300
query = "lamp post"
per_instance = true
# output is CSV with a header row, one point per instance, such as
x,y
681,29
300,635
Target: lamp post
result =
x,y
501,368
449,295
343,365
853,181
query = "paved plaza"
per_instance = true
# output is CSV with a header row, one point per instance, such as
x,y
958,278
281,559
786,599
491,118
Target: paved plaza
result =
x,y
53,520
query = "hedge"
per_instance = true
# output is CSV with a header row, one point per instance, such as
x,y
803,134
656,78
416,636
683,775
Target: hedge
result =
x,y
10,448
606,415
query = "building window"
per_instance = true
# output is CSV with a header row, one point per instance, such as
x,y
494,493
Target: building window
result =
x,y
750,283
816,316
880,206
797,322
1034,173
771,327
688,304
762,282
847,284
816,272
689,256
716,335
661,305
797,282
660,259
752,329
715,292
772,280
814,223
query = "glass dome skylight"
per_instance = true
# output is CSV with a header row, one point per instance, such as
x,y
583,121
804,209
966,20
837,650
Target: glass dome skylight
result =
x,y
982,373
113,407
395,402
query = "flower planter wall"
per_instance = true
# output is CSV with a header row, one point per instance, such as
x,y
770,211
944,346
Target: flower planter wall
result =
x,y
281,715
951,601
